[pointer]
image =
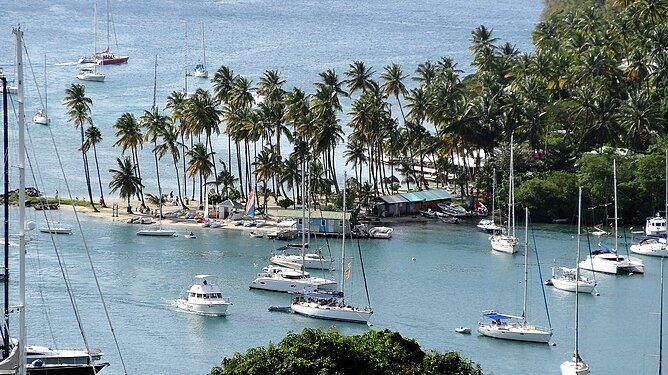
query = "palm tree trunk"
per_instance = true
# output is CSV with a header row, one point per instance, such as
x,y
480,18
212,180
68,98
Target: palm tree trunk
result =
x,y
241,178
99,179
213,161
86,172
157,175
178,182
135,156
185,176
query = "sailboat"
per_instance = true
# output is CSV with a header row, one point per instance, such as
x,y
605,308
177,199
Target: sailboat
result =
x,y
606,259
18,346
512,327
655,242
569,279
334,306
41,116
286,279
487,225
507,242
90,73
200,69
105,57
577,366
157,232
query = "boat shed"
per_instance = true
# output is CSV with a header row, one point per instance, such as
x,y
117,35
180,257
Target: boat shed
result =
x,y
411,203
327,223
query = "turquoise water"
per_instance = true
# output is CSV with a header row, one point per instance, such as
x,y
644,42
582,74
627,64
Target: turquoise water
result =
x,y
455,274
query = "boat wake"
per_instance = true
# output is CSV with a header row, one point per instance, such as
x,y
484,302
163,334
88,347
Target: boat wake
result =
x,y
67,63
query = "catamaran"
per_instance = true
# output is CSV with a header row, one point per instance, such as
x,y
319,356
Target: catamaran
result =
x,y
105,57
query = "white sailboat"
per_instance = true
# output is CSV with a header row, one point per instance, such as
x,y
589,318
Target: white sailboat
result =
x,y
570,279
200,69
90,73
606,259
157,232
507,242
41,117
656,231
487,225
333,306
577,366
512,327
19,349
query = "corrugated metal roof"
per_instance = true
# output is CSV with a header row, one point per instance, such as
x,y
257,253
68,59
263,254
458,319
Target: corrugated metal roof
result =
x,y
427,195
393,199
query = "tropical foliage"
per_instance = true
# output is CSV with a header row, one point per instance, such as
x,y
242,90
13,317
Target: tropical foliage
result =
x,y
316,351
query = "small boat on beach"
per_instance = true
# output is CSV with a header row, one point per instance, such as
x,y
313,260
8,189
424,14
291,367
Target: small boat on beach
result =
x,y
253,234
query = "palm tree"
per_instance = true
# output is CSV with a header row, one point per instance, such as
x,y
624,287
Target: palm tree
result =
x,y
360,77
93,137
171,144
355,154
267,164
155,125
176,104
130,137
78,110
394,85
125,181
200,164
639,117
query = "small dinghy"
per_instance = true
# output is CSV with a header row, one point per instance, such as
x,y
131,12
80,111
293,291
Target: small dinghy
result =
x,y
256,234
463,330
189,235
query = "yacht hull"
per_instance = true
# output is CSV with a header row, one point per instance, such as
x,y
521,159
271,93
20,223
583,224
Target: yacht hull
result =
x,y
572,368
516,333
342,314
504,244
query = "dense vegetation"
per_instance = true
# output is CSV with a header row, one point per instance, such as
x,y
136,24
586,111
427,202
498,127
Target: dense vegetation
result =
x,y
319,352
598,79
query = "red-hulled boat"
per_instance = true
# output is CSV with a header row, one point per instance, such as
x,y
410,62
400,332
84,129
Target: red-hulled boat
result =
x,y
104,58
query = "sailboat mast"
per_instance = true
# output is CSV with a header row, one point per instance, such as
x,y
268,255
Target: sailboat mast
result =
x,y
493,192
22,203
614,179
94,28
343,234
511,193
203,48
108,23
577,279
661,324
304,200
526,263
46,101
5,331
185,66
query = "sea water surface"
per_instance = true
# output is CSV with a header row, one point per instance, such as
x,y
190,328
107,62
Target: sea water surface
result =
x,y
455,275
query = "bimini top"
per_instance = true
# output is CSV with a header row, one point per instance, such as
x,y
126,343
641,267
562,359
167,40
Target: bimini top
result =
x,y
202,276
323,295
603,249
495,315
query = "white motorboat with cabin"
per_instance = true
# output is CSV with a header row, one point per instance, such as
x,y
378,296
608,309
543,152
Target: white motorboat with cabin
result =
x,y
381,232
655,225
511,327
488,225
288,280
204,297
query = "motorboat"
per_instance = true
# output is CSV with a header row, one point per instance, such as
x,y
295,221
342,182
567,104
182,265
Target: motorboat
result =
x,y
489,226
156,232
510,327
454,210
90,74
565,279
606,260
288,280
651,245
313,260
655,225
50,356
189,235
381,232
204,297
463,330
330,307
146,220
598,232
253,234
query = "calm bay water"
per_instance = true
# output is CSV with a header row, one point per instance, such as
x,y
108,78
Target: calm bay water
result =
x,y
455,274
